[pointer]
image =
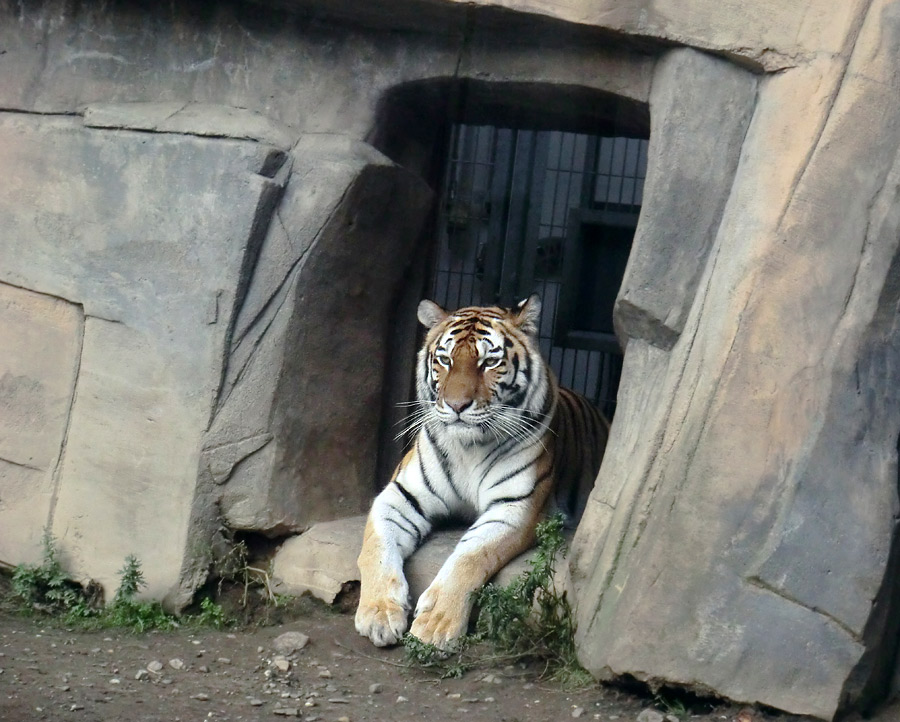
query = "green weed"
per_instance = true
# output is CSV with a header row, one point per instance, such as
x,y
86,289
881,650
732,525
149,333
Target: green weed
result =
x,y
453,663
671,706
48,590
211,615
528,620
126,611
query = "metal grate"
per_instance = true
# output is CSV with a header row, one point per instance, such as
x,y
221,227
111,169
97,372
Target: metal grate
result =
x,y
505,227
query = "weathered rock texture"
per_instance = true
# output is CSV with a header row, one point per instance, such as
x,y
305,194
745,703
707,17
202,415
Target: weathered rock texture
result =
x,y
169,363
212,242
136,245
747,507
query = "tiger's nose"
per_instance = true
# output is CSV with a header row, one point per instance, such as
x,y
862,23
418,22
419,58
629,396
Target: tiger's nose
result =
x,y
458,405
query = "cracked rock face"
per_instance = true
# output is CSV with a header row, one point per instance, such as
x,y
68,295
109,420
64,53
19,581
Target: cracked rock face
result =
x,y
742,534
201,259
172,359
118,292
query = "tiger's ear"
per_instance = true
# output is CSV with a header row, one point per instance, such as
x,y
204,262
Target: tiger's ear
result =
x,y
528,314
430,314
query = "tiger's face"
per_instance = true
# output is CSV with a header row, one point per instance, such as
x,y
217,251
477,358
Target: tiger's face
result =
x,y
477,369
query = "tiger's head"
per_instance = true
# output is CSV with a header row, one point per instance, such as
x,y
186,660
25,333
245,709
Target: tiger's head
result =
x,y
480,375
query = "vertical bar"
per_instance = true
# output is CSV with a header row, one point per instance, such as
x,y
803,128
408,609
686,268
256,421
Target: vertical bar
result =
x,y
589,179
532,229
500,180
594,361
568,365
556,354
439,282
516,219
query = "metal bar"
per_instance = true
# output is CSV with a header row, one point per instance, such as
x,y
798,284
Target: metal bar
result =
x,y
523,171
540,149
500,179
588,180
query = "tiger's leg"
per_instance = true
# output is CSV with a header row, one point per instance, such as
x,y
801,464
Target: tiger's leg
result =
x,y
504,530
398,523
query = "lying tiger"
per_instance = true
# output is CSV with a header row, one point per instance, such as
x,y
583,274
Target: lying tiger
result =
x,y
496,436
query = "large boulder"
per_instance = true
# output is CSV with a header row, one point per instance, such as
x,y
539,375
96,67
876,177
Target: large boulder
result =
x,y
121,264
741,537
178,355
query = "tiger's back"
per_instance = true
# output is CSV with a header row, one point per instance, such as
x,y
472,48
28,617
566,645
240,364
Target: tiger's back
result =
x,y
581,433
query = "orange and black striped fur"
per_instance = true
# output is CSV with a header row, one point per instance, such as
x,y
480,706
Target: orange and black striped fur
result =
x,y
497,441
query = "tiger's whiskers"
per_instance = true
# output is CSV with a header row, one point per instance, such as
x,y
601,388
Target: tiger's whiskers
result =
x,y
416,419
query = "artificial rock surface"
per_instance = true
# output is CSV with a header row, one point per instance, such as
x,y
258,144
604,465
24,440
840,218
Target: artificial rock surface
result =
x,y
754,476
295,435
124,251
322,561
200,241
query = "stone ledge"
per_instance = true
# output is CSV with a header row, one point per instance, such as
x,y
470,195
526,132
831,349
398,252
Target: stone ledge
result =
x,y
322,560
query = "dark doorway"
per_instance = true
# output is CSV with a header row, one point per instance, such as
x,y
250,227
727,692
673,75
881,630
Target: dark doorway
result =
x,y
544,211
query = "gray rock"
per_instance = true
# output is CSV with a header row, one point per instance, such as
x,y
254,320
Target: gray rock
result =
x,y
149,296
290,643
202,119
322,560
694,96
752,474
650,715
286,711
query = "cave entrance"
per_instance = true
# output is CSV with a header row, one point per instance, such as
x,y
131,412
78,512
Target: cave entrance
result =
x,y
538,188
549,212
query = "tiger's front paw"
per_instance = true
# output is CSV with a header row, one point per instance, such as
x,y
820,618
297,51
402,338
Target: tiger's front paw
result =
x,y
382,615
441,618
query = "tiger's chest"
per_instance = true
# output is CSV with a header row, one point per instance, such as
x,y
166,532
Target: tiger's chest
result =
x,y
479,472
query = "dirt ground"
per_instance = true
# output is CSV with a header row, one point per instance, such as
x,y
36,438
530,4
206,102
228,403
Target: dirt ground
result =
x,y
48,672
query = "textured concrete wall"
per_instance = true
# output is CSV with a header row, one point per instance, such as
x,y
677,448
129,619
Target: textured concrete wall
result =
x,y
201,249
752,470
182,185
133,246
763,34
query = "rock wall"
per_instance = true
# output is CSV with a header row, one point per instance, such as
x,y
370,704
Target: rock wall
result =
x,y
752,470
120,263
202,238
202,262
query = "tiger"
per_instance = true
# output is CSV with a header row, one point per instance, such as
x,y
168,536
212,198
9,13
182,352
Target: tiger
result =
x,y
497,444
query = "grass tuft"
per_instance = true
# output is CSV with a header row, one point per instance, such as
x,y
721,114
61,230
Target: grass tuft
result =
x,y
528,620
48,590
